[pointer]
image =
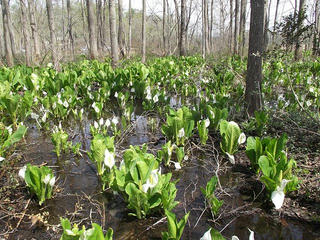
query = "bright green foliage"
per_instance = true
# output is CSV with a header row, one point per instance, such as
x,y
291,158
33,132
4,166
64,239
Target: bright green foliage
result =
x,y
179,125
212,234
166,153
203,130
231,137
261,120
175,228
142,184
8,139
74,233
208,192
215,115
40,181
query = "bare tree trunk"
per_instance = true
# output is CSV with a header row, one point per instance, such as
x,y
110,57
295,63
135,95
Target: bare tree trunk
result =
x,y
99,24
204,29
211,26
120,29
231,26
182,41
275,20
103,25
83,16
53,41
34,31
143,31
70,28
236,28
254,68
113,33
177,19
130,29
316,36
164,26
243,13
7,43
63,27
26,36
92,31
13,45
297,52
266,24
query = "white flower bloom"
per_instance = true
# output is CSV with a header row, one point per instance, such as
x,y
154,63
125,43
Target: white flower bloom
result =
x,y
234,238
47,179
309,103
186,157
65,104
177,165
242,139
70,233
49,65
277,196
107,123
207,122
34,116
206,235
231,158
116,94
109,158
9,130
2,159
311,89
148,97
212,114
132,90
152,181
181,133
44,117
101,122
155,98
96,125
251,237
52,181
234,124
54,105
96,109
22,172
115,120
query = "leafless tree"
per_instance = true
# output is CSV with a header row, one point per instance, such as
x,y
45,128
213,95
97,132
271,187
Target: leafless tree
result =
x,y
113,33
182,41
93,50
143,50
7,42
53,41
26,36
120,29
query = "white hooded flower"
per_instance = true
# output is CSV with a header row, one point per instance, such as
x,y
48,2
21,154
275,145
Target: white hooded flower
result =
x,y
52,181
107,123
206,235
109,158
181,133
152,181
96,125
242,139
116,94
47,179
277,196
177,165
2,159
115,120
231,158
101,122
155,98
207,122
251,236
95,107
234,124
22,172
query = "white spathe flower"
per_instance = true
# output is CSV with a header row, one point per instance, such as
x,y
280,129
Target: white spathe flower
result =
x,y
231,158
9,130
177,165
101,122
70,233
152,181
207,122
107,123
234,124
242,139
251,236
96,125
65,104
115,120
96,109
277,196
116,94
181,133
34,116
109,158
2,159
155,98
52,181
47,179
22,172
206,235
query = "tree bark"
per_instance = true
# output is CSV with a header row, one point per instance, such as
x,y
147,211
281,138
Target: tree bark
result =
x,y
266,24
7,43
275,20
236,28
204,29
92,31
231,26
316,36
164,26
182,40
120,29
34,31
70,28
53,41
113,33
254,68
130,29
297,52
143,31
63,27
243,12
99,24
26,36
12,40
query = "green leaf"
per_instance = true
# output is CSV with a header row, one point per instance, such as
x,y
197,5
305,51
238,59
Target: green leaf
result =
x,y
15,137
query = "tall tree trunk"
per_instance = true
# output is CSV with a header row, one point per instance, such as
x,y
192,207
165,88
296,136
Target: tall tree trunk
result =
x,y
53,41
84,26
143,31
297,52
164,26
211,26
275,20
92,31
182,41
7,42
12,40
236,28
130,29
231,26
204,29
63,27
254,67
243,12
26,36
120,29
70,28
103,25
99,24
267,7
316,36
176,6
34,31
113,33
